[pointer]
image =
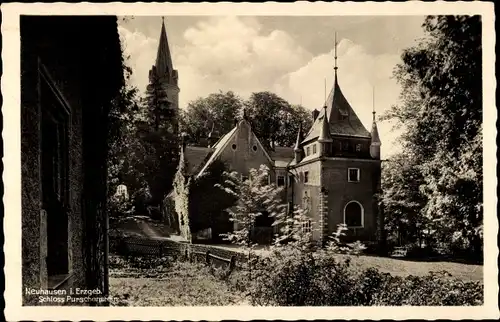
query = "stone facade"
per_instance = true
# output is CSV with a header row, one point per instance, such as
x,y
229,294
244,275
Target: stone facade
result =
x,y
63,107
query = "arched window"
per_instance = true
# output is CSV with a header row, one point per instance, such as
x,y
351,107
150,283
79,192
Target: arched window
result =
x,y
354,214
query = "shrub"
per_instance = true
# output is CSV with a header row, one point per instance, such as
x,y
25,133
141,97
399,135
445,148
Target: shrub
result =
x,y
290,277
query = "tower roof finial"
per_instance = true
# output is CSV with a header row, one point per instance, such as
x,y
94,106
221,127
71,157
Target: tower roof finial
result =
x,y
335,51
373,103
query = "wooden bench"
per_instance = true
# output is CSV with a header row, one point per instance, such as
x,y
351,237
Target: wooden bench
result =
x,y
399,252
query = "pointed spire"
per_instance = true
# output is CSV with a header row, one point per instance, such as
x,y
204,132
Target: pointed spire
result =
x,y
297,148
374,131
163,59
324,135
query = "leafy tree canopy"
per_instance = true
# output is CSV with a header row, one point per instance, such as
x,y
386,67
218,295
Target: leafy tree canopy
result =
x,y
441,113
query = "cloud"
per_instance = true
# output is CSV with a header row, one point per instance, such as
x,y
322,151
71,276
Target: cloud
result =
x,y
232,53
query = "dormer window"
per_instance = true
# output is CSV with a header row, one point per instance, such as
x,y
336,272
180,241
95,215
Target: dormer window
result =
x,y
314,149
308,151
281,181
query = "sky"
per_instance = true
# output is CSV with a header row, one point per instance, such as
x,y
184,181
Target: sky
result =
x,y
292,56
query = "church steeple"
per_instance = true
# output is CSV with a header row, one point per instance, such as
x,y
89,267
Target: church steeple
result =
x,y
163,68
163,58
163,79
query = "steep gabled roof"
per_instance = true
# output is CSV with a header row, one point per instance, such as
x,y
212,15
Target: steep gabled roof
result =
x,y
195,157
341,117
218,148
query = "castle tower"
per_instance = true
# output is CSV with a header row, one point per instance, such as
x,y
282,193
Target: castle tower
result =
x,y
164,78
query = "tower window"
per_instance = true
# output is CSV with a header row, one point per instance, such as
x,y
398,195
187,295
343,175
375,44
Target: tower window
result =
x,y
290,180
353,175
308,150
314,149
306,176
358,147
281,181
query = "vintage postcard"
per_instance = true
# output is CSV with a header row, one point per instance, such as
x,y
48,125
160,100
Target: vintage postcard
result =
x,y
250,161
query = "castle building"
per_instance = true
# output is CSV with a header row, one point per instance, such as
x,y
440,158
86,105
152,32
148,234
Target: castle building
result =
x,y
333,170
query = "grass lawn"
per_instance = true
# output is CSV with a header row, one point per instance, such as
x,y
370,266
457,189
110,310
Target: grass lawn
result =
x,y
178,284
402,267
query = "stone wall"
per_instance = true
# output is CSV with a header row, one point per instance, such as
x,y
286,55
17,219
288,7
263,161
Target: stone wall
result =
x,y
34,224
340,192
65,46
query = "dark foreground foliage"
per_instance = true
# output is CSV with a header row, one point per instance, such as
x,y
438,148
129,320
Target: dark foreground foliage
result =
x,y
292,278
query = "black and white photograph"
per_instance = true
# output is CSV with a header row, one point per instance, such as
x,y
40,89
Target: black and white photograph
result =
x,y
191,157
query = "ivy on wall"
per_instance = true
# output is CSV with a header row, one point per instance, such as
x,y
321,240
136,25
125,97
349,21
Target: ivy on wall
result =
x,y
199,204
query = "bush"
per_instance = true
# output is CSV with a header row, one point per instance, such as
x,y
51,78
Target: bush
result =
x,y
297,278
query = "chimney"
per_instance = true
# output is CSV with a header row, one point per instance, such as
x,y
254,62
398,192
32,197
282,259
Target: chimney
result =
x,y
315,114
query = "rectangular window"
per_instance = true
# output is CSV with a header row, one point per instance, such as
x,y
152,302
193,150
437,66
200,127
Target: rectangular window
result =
x,y
306,176
358,147
306,226
308,151
281,181
314,149
353,175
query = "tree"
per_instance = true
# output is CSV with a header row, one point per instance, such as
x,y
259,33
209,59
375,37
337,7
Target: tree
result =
x,y
216,113
268,113
441,113
254,197
158,132
288,132
124,146
402,199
